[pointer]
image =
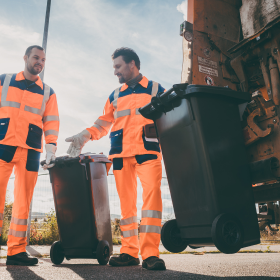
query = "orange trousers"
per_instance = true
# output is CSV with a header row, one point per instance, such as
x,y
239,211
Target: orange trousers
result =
x,y
149,170
26,164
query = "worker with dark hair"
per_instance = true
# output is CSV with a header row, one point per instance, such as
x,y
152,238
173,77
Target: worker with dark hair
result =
x,y
27,108
135,152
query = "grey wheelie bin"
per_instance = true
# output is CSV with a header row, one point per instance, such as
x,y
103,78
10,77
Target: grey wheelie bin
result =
x,y
200,134
80,192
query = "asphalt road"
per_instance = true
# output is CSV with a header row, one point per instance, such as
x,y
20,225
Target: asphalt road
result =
x,y
185,266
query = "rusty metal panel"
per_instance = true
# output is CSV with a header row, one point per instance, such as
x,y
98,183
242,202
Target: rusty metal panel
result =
x,y
209,61
256,14
268,146
217,17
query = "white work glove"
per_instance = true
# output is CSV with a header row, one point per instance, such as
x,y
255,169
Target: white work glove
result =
x,y
78,142
50,156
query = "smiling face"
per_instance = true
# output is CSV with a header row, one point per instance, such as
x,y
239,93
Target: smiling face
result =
x,y
35,62
124,71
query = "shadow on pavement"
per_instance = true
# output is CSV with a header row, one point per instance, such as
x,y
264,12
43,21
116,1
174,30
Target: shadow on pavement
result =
x,y
92,271
22,272
32,251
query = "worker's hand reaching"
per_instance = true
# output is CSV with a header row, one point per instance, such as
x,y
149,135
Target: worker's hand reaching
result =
x,y
50,156
77,143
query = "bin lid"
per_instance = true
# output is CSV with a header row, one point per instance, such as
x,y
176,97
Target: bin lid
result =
x,y
240,96
82,158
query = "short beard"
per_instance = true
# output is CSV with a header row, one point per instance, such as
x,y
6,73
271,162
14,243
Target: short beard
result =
x,y
121,80
32,70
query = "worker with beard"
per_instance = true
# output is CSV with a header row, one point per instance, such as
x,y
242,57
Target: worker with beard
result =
x,y
27,108
135,152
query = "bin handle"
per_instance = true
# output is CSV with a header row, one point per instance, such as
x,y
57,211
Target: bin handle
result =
x,y
179,89
157,104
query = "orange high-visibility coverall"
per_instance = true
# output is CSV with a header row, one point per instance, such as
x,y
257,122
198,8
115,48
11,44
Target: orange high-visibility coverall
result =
x,y
25,112
134,154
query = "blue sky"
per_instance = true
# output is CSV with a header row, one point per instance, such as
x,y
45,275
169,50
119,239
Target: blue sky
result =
x,y
82,36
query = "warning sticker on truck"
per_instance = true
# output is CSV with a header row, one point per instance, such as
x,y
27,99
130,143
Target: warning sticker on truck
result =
x,y
208,71
207,62
209,81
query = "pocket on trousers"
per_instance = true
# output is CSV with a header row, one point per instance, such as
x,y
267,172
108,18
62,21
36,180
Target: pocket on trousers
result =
x,y
117,163
34,136
33,161
116,142
4,124
150,144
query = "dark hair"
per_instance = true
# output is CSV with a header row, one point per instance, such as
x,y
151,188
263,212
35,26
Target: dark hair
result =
x,y
128,55
29,49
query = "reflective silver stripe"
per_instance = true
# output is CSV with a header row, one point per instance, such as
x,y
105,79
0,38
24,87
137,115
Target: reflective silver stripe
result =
x,y
5,103
118,114
151,214
17,221
47,93
32,110
99,127
129,233
154,89
137,111
9,104
17,233
116,96
103,123
1,216
50,118
5,88
149,228
41,111
128,221
51,132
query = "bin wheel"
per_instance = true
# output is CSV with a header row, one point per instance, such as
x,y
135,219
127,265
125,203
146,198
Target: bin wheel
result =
x,y
227,233
56,253
103,252
171,238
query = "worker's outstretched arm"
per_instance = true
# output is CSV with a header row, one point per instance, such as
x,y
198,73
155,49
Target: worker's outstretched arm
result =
x,y
51,129
99,129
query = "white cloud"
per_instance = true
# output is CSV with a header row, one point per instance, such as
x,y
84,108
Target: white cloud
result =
x,y
183,8
82,36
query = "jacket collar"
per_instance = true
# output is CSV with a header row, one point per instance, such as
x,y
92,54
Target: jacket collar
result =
x,y
144,83
20,77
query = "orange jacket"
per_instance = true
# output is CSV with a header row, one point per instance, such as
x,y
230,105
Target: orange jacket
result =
x,y
27,111
121,110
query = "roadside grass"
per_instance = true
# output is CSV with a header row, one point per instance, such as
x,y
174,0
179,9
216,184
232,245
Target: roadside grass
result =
x,y
218,252
181,253
271,235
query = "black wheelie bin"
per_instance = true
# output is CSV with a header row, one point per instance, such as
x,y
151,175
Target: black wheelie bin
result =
x,y
81,199
199,130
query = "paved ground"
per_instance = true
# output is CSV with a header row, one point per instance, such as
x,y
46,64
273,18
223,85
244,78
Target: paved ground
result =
x,y
45,250
184,266
197,265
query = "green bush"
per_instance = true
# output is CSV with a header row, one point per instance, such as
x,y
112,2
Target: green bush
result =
x,y
6,222
44,233
116,232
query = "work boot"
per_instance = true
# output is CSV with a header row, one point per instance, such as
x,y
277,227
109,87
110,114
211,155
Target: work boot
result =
x,y
153,263
123,260
21,259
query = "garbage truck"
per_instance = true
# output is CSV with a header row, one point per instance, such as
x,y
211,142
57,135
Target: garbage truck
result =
x,y
236,44
219,128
